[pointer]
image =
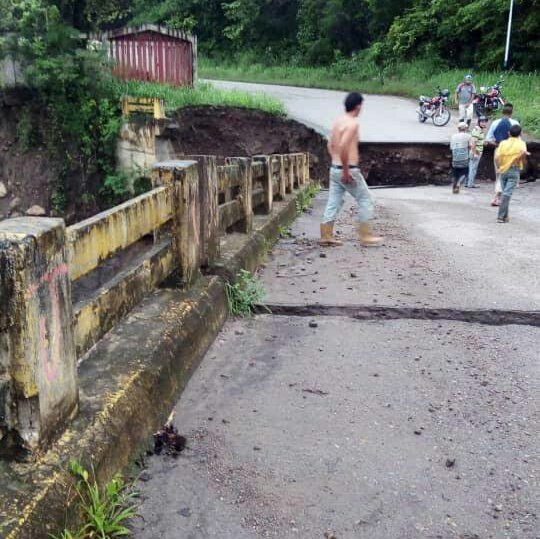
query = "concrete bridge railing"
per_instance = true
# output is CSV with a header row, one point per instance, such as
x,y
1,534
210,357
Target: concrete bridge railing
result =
x,y
62,288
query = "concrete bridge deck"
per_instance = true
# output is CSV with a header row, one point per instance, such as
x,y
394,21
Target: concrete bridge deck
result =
x,y
327,425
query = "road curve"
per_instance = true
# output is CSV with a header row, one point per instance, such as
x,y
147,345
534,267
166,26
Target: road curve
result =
x,y
383,119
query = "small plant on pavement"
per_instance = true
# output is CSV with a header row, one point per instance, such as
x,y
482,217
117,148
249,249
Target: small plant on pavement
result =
x,y
244,294
284,231
303,201
104,510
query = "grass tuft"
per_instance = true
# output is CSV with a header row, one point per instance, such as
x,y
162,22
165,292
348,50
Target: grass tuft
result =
x,y
201,94
305,198
104,511
244,294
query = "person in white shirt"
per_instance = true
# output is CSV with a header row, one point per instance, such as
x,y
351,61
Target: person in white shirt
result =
x,y
465,93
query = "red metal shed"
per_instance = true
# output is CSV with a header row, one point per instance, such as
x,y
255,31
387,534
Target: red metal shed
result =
x,y
154,53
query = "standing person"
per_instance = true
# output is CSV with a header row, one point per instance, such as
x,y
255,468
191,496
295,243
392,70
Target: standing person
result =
x,y
460,144
345,175
465,93
477,148
509,159
498,131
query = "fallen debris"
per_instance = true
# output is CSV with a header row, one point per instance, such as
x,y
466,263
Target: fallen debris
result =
x,y
167,439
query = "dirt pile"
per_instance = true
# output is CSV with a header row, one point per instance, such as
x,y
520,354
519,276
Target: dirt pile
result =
x,y
26,176
30,174
226,131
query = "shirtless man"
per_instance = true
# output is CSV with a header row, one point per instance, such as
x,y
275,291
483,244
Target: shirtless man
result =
x,y
345,175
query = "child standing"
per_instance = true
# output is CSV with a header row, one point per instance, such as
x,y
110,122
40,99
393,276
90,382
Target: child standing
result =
x,y
509,159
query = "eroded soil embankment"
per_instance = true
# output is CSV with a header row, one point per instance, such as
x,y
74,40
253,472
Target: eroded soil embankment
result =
x,y
229,131
31,170
30,177
422,163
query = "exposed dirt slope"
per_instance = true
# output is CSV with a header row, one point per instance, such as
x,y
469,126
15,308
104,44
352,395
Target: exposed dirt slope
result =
x,y
239,132
27,176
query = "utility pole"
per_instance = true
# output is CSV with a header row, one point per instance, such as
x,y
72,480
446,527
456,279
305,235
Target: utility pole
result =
x,y
508,32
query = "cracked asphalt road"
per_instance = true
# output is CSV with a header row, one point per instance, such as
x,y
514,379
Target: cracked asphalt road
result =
x,y
401,429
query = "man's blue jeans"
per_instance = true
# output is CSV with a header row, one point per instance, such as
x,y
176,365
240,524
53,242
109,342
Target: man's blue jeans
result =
x,y
509,180
474,161
358,189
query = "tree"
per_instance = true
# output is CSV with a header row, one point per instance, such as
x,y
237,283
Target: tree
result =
x,y
241,16
466,33
382,14
329,27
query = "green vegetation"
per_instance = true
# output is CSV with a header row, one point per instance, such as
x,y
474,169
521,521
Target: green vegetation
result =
x,y
76,112
403,47
305,198
407,79
284,231
244,294
469,34
104,511
202,94
79,116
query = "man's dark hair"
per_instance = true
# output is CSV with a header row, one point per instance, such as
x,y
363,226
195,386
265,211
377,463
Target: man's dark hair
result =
x,y
508,109
352,101
515,130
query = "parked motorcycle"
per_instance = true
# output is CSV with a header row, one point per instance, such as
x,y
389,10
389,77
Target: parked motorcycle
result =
x,y
435,108
489,99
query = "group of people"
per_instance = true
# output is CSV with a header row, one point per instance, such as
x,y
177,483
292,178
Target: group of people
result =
x,y
467,147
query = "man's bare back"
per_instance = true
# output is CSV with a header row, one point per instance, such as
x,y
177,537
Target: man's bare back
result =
x,y
343,143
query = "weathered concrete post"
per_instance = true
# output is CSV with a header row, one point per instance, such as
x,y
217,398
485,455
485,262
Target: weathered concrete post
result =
x,y
289,160
184,178
38,363
296,171
266,160
208,201
305,169
246,190
282,178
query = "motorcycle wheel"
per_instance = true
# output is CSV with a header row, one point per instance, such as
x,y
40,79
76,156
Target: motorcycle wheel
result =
x,y
421,117
441,117
479,110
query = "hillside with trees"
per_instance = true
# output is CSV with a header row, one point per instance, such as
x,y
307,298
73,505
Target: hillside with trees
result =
x,y
70,108
459,33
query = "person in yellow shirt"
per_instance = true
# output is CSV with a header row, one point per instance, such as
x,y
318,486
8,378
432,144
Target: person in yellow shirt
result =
x,y
510,160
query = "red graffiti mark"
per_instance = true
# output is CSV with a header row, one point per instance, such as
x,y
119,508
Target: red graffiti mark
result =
x,y
48,277
50,334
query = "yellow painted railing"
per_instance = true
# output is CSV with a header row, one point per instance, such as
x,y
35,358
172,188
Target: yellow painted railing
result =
x,y
95,239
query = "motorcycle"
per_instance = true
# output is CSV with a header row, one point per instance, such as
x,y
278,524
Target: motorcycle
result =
x,y
435,108
490,99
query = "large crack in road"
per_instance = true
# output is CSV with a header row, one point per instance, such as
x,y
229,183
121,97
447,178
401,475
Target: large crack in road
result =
x,y
492,317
